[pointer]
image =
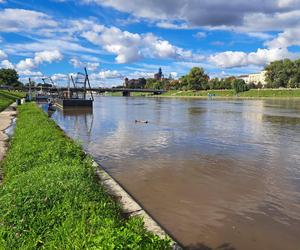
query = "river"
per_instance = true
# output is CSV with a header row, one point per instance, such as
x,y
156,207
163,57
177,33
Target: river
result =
x,y
214,173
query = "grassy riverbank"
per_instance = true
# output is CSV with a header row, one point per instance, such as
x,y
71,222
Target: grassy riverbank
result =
x,y
253,93
51,199
8,97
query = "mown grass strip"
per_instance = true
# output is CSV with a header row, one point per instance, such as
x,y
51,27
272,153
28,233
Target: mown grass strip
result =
x,y
51,199
252,93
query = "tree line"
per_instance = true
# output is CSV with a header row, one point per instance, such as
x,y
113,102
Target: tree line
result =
x,y
282,73
197,79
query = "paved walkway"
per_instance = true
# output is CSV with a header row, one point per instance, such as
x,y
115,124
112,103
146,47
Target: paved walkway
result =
x,y
6,117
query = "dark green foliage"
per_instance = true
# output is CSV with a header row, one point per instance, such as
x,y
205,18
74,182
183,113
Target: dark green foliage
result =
x,y
152,83
137,83
51,199
283,73
217,83
172,84
9,77
251,85
196,79
239,85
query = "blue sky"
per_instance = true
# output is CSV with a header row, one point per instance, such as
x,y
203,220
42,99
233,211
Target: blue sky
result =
x,y
116,38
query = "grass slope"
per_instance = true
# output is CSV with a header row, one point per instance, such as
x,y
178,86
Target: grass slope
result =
x,y
50,198
8,97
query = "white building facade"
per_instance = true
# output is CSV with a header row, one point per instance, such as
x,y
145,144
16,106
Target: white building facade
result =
x,y
255,78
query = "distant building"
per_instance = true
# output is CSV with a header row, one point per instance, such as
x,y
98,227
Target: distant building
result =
x,y
134,83
255,78
126,80
158,76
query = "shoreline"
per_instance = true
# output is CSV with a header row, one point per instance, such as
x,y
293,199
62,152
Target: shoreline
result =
x,y
223,97
214,97
6,119
131,207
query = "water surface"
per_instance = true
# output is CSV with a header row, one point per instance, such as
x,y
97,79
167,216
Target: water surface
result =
x,y
214,173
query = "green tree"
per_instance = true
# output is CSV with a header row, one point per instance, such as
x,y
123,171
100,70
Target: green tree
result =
x,y
239,85
150,82
279,73
251,85
172,85
216,83
9,77
183,82
196,79
227,83
294,81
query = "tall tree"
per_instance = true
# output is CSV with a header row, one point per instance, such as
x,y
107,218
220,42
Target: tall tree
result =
x,y
279,73
9,77
197,79
239,85
294,81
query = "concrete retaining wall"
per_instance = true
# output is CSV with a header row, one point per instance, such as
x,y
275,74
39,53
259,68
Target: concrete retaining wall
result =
x,y
129,206
6,118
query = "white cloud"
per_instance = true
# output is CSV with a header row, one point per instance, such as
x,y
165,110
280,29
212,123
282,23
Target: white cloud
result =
x,y
285,39
47,56
260,35
140,74
92,66
107,74
278,21
39,58
261,57
30,73
129,47
49,44
7,64
26,64
170,25
288,3
58,77
200,35
15,20
2,54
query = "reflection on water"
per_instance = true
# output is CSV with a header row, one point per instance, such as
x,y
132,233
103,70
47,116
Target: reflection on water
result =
x,y
214,173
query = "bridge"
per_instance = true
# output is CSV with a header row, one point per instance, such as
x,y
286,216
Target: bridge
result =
x,y
124,91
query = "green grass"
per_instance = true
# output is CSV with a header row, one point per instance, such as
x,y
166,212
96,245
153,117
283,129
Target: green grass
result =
x,y
8,97
201,93
253,93
51,198
271,93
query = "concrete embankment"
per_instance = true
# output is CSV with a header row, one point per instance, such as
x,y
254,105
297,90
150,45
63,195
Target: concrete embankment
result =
x,y
129,206
6,118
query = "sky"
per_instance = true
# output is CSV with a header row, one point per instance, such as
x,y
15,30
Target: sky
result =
x,y
115,39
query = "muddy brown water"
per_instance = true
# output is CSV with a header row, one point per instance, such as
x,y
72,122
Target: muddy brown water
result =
x,y
217,174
